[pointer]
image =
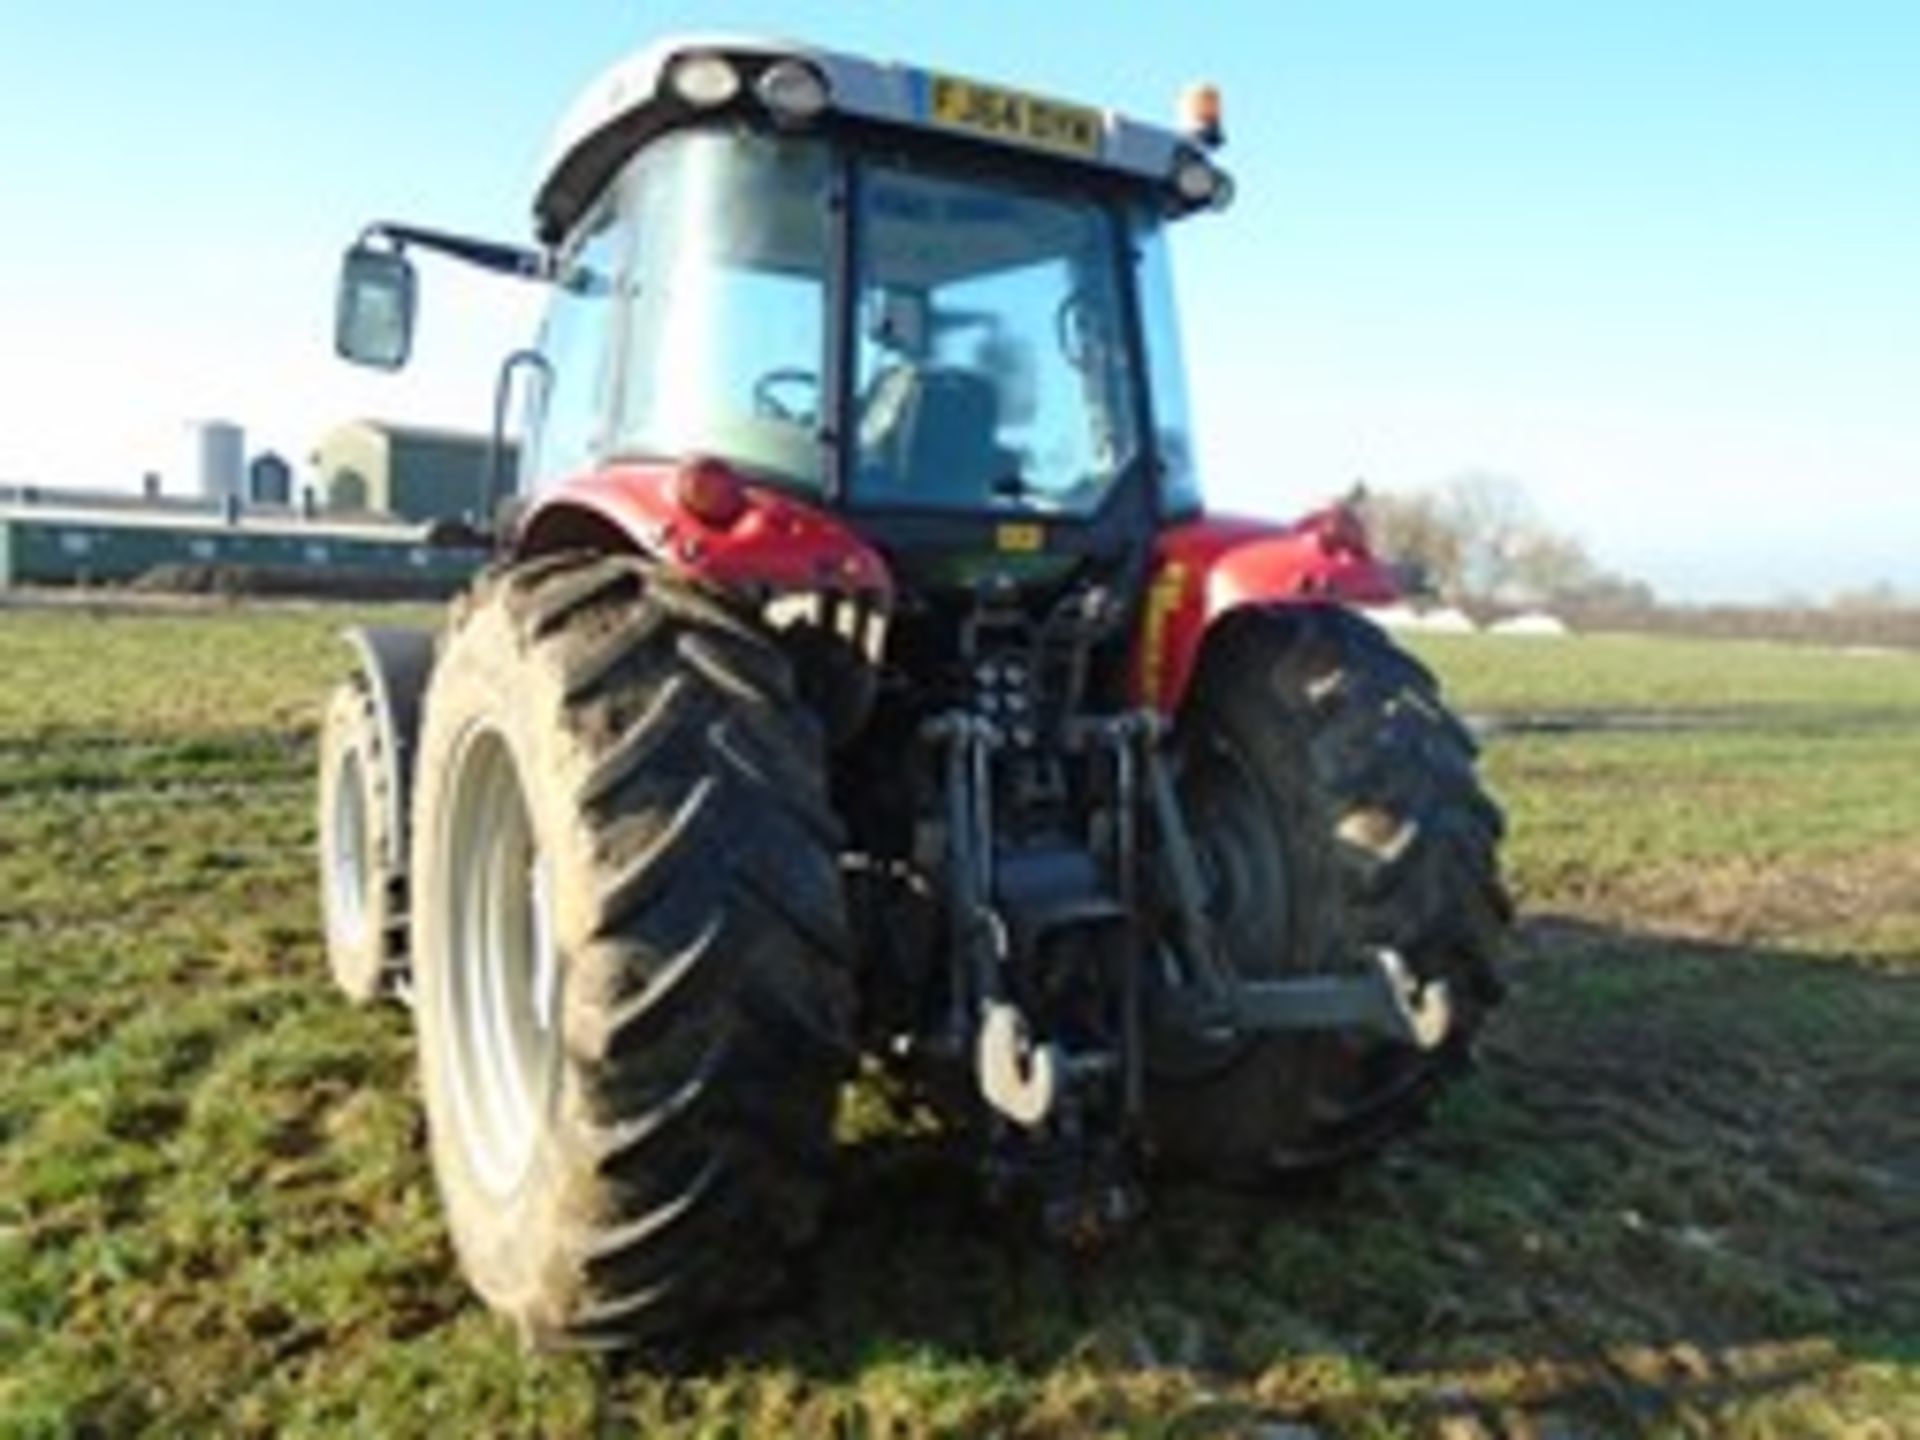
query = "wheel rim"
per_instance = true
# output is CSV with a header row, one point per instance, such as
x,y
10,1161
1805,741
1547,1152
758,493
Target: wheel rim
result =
x,y
499,983
349,864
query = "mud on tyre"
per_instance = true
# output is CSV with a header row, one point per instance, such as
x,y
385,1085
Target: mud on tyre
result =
x,y
1335,806
629,952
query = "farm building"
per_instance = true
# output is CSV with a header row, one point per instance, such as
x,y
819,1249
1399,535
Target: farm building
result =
x,y
45,543
408,471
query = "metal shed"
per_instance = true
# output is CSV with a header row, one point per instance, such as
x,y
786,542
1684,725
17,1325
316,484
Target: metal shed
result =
x,y
48,544
408,471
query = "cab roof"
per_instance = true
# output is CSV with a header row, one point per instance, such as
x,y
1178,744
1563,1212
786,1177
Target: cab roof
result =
x,y
632,101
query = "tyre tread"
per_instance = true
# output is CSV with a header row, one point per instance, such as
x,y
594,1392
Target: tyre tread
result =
x,y
674,1157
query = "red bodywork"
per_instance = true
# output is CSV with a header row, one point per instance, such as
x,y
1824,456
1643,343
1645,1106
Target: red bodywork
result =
x,y
772,542
1205,568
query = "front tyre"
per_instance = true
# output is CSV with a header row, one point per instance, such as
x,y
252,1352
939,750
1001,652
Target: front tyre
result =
x,y
1333,801
629,953
360,879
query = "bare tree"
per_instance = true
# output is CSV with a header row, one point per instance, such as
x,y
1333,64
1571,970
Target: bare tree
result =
x,y
1545,565
1494,521
1477,538
1417,538
1876,598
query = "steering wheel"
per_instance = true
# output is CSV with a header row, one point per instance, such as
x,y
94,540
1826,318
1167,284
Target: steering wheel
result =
x,y
771,405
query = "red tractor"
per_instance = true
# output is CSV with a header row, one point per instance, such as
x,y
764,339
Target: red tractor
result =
x,y
859,674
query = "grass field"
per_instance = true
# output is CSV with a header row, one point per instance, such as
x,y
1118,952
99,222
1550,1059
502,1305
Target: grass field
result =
x,y
1682,1194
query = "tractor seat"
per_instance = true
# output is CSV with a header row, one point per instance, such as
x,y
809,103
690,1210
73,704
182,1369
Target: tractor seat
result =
x,y
929,437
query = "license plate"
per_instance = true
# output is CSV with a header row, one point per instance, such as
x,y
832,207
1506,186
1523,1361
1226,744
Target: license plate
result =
x,y
1020,539
1010,115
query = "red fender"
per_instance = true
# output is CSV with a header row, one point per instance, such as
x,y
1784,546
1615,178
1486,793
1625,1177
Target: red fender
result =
x,y
1211,566
770,542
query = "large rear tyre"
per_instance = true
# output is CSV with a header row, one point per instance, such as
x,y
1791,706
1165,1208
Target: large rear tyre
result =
x,y
360,879
629,953
1334,804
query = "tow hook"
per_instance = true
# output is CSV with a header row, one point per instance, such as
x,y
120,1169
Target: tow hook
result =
x,y
1422,1012
1019,1079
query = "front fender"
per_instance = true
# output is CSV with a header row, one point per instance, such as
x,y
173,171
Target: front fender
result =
x,y
1209,567
777,544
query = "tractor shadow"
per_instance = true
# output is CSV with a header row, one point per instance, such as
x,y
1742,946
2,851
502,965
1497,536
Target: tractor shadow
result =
x,y
1684,1174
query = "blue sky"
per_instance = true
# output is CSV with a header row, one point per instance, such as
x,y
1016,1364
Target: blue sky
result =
x,y
1658,261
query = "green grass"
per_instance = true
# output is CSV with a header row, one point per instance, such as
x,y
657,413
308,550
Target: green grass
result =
x,y
1677,1198
1609,672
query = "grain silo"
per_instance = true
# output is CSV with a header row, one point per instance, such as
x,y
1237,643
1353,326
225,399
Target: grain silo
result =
x,y
218,457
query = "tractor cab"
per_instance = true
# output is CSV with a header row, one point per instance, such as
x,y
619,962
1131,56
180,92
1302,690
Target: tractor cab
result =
x,y
939,308
870,285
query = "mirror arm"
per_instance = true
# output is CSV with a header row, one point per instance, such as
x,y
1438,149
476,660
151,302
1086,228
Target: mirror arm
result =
x,y
487,254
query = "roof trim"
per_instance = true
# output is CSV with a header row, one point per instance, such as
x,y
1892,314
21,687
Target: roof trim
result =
x,y
625,105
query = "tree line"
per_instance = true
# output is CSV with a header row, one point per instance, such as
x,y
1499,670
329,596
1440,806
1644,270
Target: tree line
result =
x,y
1477,540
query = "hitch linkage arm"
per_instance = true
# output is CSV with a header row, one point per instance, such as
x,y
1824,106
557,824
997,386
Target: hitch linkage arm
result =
x,y
1021,1080
1382,995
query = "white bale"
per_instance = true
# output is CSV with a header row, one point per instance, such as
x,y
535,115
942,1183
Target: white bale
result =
x,y
1535,623
1442,619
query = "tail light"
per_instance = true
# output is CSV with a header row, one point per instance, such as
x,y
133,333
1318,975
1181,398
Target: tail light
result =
x,y
1200,114
710,491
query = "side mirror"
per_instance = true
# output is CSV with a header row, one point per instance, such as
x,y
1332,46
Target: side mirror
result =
x,y
373,312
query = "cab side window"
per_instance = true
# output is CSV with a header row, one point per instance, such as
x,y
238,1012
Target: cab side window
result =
x,y
726,340
574,413
1166,374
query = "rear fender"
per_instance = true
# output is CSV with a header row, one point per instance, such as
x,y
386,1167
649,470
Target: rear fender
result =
x,y
1210,567
776,545
394,664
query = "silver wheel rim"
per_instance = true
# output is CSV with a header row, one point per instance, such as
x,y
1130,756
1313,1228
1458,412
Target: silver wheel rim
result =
x,y
499,983
348,854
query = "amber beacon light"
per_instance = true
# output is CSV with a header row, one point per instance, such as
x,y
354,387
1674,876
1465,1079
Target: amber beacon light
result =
x,y
1200,114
